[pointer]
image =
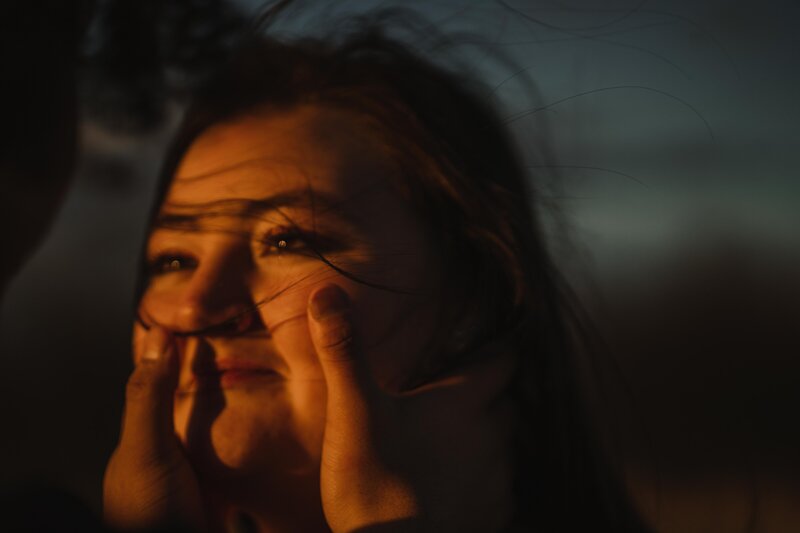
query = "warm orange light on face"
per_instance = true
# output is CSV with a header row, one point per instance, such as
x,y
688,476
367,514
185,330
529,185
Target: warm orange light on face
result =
x,y
263,210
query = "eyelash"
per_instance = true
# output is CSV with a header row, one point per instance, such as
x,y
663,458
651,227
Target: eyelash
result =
x,y
281,240
168,262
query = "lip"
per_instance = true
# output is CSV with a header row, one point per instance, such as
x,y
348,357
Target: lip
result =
x,y
236,377
232,374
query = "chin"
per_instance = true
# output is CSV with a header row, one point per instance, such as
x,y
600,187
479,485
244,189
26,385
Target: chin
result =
x,y
251,440
254,453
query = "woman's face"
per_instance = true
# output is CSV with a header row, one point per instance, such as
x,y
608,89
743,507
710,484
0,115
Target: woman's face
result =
x,y
251,203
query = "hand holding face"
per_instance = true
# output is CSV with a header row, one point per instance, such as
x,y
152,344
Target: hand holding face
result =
x,y
148,482
435,458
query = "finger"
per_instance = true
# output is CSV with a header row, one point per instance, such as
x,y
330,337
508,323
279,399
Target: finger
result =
x,y
139,337
148,424
350,383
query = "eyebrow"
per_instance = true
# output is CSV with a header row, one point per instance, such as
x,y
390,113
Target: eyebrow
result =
x,y
186,215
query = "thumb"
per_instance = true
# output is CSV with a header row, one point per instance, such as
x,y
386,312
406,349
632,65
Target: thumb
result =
x,y
148,426
149,485
350,384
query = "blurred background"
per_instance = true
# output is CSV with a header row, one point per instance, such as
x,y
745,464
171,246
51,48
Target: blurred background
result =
x,y
669,191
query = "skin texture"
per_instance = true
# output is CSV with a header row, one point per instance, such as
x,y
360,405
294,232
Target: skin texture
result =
x,y
328,438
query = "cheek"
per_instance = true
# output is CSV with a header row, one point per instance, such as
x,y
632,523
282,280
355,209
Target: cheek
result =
x,y
393,327
164,300
286,318
281,291
396,329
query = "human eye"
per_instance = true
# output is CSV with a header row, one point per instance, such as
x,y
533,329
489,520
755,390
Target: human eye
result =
x,y
168,262
288,240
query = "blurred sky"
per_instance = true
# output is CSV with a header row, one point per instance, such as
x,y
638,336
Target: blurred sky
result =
x,y
700,145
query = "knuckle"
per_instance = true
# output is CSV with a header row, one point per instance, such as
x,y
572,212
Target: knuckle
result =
x,y
337,338
140,385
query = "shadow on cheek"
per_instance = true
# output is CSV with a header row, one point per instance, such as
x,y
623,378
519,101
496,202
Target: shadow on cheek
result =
x,y
287,304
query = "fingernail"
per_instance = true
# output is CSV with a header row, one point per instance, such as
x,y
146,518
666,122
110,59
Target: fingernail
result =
x,y
156,344
329,301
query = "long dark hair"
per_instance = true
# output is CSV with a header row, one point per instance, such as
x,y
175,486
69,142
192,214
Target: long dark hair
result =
x,y
463,176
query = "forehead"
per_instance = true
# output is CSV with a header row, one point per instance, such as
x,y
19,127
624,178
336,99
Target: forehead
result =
x,y
267,153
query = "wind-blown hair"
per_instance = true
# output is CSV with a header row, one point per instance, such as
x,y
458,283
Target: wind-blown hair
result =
x,y
462,175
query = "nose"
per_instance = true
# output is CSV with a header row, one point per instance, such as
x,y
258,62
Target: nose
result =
x,y
214,294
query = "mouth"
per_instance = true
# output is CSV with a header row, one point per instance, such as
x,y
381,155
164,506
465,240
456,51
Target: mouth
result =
x,y
232,374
